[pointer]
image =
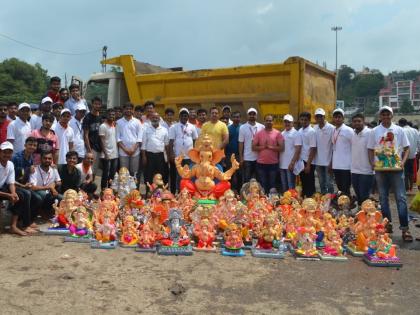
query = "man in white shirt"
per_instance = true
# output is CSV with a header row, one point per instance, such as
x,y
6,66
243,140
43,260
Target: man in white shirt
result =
x,y
155,143
87,178
182,136
167,123
20,128
341,159
18,198
129,138
75,99
387,181
324,132
65,135
291,155
413,138
109,157
308,153
361,170
44,108
247,157
45,181
76,124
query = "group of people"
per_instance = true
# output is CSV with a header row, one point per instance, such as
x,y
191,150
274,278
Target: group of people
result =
x,y
61,145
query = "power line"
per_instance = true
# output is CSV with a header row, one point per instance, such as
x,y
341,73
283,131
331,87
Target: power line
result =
x,y
48,50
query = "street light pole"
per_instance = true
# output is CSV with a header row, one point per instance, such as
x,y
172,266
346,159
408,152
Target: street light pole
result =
x,y
336,29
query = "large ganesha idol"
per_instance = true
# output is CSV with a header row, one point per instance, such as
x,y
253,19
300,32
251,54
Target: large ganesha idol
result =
x,y
205,171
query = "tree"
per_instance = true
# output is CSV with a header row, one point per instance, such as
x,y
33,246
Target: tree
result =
x,y
21,81
371,108
406,107
345,75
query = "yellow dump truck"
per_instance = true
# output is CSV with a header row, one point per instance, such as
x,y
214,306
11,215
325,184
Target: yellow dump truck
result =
x,y
291,87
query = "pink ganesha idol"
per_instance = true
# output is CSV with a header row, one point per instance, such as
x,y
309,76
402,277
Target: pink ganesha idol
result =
x,y
205,170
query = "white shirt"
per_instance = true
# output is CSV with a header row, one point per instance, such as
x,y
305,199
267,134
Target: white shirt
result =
x,y
400,138
82,172
43,178
129,132
71,105
183,136
292,138
110,141
18,130
36,122
308,136
166,125
359,152
155,139
341,140
65,136
324,144
79,142
413,138
7,174
247,133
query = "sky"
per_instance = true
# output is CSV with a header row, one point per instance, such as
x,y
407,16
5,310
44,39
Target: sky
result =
x,y
196,34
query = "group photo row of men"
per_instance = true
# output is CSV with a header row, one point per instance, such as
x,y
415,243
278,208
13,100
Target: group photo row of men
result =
x,y
61,143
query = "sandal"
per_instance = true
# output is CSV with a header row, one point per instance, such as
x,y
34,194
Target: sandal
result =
x,y
406,236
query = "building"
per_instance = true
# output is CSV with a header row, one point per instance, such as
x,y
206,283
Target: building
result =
x,y
398,92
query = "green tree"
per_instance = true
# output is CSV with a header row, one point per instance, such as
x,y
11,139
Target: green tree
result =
x,y
368,84
371,108
21,81
406,107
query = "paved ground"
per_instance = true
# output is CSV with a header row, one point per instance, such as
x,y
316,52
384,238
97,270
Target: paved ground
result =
x,y
40,275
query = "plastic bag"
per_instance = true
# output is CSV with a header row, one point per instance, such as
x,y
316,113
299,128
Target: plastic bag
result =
x,y
415,203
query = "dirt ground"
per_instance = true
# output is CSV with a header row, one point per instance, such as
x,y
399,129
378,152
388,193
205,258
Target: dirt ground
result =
x,y
43,275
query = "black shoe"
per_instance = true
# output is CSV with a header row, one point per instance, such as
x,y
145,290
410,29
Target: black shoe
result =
x,y
388,228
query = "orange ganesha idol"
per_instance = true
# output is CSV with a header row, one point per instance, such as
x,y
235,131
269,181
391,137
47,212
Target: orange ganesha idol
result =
x,y
205,170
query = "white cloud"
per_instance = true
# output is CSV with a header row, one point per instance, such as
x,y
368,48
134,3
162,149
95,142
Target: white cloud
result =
x,y
265,9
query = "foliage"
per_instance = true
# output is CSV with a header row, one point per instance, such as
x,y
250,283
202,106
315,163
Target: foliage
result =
x,y
371,108
406,107
22,82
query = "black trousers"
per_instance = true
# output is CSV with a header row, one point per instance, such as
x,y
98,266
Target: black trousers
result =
x,y
249,170
22,208
109,168
236,180
156,164
343,181
172,177
308,181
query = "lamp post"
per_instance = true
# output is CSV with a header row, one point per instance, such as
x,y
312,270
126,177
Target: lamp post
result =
x,y
336,29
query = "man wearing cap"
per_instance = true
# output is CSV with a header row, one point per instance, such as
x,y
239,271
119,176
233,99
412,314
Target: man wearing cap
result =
x,y
324,132
19,129
268,142
248,157
182,136
216,129
74,99
44,107
308,153
391,180
65,135
76,124
290,162
4,123
154,145
226,114
341,158
19,199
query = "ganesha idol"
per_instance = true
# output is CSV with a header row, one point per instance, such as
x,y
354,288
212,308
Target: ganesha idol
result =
x,y
205,171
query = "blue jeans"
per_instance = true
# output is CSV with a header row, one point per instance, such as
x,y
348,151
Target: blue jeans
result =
x,y
325,180
267,174
362,185
249,170
394,181
288,180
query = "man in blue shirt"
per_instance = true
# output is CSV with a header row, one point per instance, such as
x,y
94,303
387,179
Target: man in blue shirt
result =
x,y
233,148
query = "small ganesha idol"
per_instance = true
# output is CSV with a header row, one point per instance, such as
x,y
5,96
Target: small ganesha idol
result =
x,y
129,236
81,226
147,238
176,240
386,154
233,241
205,233
306,248
105,233
333,249
270,235
381,252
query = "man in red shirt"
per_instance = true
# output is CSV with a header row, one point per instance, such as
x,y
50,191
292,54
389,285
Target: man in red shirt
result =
x,y
3,122
268,142
53,91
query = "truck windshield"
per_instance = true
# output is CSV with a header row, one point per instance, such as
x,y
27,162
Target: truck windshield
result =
x,y
97,88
